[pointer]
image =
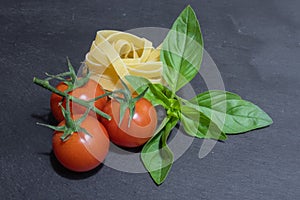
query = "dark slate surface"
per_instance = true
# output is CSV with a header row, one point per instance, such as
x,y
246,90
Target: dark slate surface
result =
x,y
256,45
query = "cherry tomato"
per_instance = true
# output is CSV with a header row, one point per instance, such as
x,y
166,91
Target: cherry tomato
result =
x,y
55,99
82,152
141,128
90,90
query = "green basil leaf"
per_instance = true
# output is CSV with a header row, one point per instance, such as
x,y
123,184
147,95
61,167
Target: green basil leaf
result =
x,y
139,84
198,125
162,94
156,155
159,88
182,50
231,113
157,94
213,97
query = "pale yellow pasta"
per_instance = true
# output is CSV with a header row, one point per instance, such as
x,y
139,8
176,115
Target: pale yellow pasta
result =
x,y
115,54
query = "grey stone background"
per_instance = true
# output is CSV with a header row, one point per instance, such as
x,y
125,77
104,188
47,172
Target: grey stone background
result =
x,y
256,45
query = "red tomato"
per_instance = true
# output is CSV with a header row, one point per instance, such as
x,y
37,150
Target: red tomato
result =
x,y
141,128
90,90
55,99
82,152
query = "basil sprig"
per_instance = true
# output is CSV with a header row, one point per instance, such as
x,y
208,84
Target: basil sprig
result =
x,y
211,114
182,50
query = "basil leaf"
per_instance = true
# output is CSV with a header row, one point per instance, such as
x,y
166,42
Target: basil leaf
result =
x,y
231,113
182,50
139,84
212,97
159,88
162,94
157,94
198,125
156,155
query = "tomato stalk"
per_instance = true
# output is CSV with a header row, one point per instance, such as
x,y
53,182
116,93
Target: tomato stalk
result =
x,y
71,126
72,71
72,82
57,76
88,104
127,101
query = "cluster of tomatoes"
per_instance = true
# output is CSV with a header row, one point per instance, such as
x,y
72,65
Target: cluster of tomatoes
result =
x,y
81,151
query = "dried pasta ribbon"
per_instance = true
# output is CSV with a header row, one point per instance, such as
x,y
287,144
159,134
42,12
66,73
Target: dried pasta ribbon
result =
x,y
115,54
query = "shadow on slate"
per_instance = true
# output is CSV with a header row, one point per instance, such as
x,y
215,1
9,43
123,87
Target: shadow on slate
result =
x,y
64,172
48,118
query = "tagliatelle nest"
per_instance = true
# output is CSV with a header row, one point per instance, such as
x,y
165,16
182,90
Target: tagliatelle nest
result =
x,y
115,54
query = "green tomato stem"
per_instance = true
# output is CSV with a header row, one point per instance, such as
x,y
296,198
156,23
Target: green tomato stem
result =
x,y
101,96
72,71
45,84
69,122
57,76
